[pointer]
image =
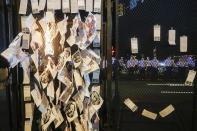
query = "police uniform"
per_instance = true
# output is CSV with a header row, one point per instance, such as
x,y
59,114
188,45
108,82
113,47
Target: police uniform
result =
x,y
154,69
142,68
148,68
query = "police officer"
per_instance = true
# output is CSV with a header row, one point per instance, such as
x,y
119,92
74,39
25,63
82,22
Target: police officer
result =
x,y
154,68
181,68
148,68
142,66
168,63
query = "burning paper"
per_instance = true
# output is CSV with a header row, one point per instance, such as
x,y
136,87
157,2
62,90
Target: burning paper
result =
x,y
172,37
130,104
23,7
149,114
157,32
190,78
168,110
134,45
71,111
183,44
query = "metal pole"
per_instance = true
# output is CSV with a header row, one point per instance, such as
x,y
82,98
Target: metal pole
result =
x,y
109,58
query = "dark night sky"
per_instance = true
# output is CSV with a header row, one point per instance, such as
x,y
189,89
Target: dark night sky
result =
x,y
179,14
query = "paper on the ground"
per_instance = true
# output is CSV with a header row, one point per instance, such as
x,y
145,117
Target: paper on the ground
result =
x,y
58,116
65,6
183,44
96,42
78,101
53,5
23,7
27,125
26,40
89,5
168,110
27,94
50,90
156,32
42,4
34,6
134,45
74,6
172,37
97,6
81,4
149,114
71,111
130,104
66,94
190,78
28,110
35,93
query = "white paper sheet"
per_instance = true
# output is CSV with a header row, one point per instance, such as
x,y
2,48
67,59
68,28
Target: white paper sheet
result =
x,y
95,77
78,101
50,16
168,110
81,4
53,5
97,6
74,6
149,114
23,7
42,4
65,6
96,100
130,104
71,111
134,45
34,6
28,110
172,37
26,41
183,44
27,94
78,80
35,93
24,28
27,126
66,94
89,5
58,116
96,42
157,33
50,90
98,21
190,78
